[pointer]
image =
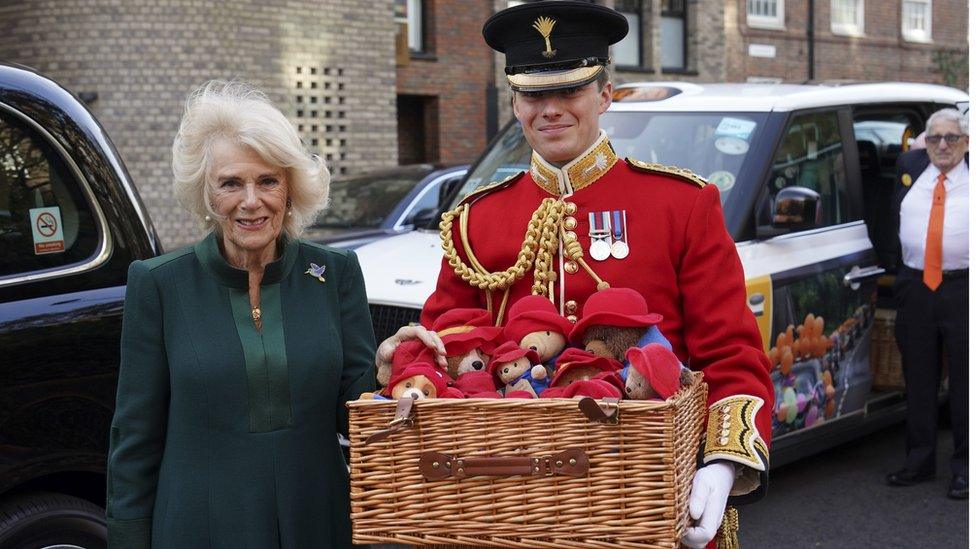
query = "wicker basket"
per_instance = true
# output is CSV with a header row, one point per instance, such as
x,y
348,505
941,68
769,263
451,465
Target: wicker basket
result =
x,y
885,358
634,494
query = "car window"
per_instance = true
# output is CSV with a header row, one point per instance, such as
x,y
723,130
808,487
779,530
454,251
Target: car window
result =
x,y
811,155
45,221
365,202
882,133
715,145
425,201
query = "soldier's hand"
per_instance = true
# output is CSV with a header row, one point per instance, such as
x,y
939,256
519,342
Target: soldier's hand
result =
x,y
384,353
709,492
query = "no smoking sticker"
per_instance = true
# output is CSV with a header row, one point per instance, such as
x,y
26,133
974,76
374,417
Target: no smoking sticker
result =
x,y
47,230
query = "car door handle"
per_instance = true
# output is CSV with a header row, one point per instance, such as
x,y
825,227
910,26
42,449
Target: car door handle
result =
x,y
856,275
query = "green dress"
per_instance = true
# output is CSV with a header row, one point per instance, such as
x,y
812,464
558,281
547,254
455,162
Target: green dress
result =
x,y
224,436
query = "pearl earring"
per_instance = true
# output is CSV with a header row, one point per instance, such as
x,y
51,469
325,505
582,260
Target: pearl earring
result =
x,y
207,218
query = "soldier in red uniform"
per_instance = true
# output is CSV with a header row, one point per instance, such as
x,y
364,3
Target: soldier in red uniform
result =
x,y
582,219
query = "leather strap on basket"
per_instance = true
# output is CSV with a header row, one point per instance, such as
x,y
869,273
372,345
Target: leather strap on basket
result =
x,y
607,410
437,466
401,420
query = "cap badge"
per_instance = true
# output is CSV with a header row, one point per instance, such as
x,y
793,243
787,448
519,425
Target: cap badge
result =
x,y
544,25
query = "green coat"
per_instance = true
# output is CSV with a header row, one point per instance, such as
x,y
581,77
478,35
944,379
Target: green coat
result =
x,y
224,436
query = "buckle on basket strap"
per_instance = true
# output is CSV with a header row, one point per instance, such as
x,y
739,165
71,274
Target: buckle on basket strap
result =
x,y
605,411
402,419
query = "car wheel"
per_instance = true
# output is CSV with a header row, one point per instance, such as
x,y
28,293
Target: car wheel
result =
x,y
51,521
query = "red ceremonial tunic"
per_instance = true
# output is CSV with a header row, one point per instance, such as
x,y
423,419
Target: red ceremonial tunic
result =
x,y
681,259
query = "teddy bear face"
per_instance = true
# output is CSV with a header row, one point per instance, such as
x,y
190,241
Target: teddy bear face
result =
x,y
611,341
638,387
511,371
546,343
473,361
417,387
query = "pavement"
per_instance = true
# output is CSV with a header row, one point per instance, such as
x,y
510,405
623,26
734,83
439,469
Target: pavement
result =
x,y
838,499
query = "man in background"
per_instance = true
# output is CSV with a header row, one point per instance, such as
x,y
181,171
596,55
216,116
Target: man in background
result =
x,y
931,217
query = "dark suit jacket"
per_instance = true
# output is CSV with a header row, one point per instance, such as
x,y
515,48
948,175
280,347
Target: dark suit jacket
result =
x,y
912,164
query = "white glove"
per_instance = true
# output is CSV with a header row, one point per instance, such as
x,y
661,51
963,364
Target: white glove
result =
x,y
709,492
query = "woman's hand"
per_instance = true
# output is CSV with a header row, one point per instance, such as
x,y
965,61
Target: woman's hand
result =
x,y
384,353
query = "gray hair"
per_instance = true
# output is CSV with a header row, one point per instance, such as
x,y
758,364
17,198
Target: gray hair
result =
x,y
240,112
949,115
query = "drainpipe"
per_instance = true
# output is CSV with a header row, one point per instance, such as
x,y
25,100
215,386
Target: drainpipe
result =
x,y
810,41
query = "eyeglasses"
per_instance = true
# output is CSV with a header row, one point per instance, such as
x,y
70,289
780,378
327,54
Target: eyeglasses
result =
x,y
950,138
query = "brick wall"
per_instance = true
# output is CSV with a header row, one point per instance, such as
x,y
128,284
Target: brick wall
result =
x,y
142,57
457,72
880,54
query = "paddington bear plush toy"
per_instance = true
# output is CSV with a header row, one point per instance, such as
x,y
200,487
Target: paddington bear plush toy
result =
x,y
519,369
469,339
477,384
655,373
418,380
614,320
534,323
580,373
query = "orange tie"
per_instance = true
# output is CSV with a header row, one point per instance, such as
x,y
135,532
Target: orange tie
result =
x,y
932,275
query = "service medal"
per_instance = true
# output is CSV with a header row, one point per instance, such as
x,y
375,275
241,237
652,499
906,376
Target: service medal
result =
x,y
600,249
619,249
599,235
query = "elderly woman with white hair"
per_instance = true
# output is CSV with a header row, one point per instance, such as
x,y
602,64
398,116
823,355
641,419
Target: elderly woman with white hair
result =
x,y
239,353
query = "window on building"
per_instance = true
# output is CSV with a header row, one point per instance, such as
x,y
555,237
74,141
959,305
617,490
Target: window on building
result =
x,y
765,14
847,17
916,20
627,52
410,14
673,27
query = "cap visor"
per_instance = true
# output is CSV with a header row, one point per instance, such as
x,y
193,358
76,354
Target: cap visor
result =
x,y
553,80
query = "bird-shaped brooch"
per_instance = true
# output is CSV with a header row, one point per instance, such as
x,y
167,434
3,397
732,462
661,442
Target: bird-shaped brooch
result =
x,y
316,272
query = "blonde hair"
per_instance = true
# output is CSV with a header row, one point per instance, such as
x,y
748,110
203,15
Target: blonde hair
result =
x,y
243,114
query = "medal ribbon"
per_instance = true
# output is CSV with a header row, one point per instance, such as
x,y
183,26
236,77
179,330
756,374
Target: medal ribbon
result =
x,y
619,224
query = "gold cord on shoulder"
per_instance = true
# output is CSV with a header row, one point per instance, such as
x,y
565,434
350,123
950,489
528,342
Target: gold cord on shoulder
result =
x,y
538,248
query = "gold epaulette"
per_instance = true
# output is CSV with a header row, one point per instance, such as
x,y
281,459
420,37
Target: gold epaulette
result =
x,y
491,187
653,167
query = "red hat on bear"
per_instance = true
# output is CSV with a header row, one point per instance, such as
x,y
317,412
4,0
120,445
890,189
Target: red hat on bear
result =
x,y
659,365
477,383
534,313
595,388
431,372
462,330
621,307
409,352
509,351
573,358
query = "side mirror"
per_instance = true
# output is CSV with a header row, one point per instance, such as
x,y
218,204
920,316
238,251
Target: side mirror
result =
x,y
446,191
422,218
795,209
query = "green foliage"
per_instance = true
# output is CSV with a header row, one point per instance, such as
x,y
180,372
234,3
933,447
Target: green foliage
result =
x,y
953,65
